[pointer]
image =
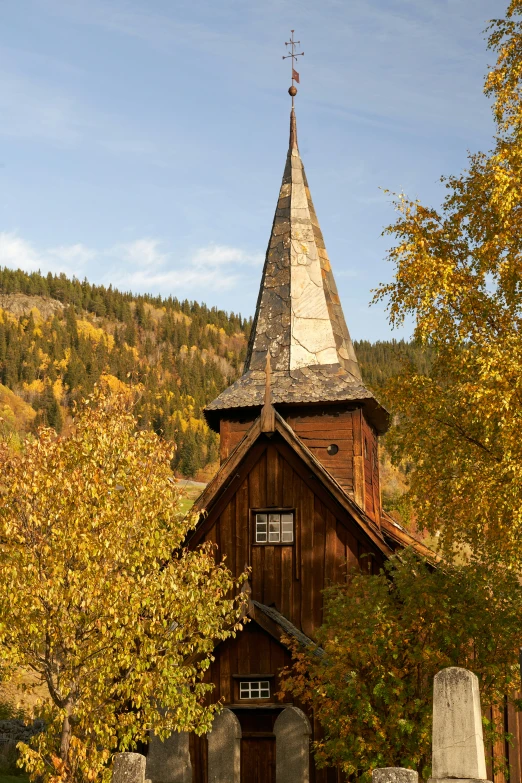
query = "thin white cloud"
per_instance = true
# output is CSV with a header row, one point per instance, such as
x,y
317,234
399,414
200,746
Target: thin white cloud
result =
x,y
147,265
222,255
18,253
142,266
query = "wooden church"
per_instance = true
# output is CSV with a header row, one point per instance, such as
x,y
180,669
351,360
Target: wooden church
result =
x,y
296,499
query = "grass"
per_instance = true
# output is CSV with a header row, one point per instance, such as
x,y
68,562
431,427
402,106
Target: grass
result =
x,y
187,501
13,779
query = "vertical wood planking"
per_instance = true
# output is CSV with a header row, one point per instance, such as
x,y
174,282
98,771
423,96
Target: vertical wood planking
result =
x,y
226,534
254,656
518,738
272,469
340,550
332,573
319,544
242,524
488,749
287,553
286,595
269,586
224,673
498,746
306,508
264,644
257,484
376,480
358,460
224,438
514,748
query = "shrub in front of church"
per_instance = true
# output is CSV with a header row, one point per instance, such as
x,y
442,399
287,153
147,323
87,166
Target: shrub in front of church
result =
x,y
384,638
99,600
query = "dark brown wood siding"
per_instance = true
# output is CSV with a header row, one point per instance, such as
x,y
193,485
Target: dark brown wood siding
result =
x,y
290,577
318,430
231,432
326,542
253,652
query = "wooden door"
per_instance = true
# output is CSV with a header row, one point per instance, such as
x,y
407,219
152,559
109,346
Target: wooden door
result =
x,y
258,759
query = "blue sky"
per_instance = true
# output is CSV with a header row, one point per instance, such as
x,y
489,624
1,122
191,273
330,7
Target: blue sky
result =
x,y
142,142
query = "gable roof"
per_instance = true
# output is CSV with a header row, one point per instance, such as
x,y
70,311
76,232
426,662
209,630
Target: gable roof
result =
x,y
285,625
299,319
397,534
228,470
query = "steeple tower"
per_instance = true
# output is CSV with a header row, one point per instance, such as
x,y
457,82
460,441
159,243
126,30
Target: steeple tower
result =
x,y
299,319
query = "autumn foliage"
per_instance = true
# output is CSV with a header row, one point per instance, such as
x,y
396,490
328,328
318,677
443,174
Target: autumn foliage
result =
x,y
458,274
99,598
369,678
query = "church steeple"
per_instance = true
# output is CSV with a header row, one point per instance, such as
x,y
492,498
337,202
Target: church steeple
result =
x,y
298,318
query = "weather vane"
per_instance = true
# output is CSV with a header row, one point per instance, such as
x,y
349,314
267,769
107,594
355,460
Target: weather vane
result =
x,y
292,56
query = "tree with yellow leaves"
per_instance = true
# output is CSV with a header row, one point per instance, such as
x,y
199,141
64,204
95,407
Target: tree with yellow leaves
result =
x,y
459,274
99,599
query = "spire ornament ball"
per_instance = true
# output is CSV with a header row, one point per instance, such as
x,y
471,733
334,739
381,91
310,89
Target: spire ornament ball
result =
x,y
292,56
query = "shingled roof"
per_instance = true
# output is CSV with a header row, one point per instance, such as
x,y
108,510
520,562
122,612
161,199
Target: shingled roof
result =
x,y
299,317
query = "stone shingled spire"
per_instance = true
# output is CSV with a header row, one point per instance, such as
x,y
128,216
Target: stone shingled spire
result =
x,y
298,316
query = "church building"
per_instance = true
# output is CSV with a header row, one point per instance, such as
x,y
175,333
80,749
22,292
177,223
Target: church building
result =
x,y
296,500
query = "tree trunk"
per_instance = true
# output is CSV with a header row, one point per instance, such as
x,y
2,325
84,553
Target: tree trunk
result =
x,y
66,736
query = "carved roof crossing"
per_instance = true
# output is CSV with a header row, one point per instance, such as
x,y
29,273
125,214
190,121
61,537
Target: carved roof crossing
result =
x,y
299,318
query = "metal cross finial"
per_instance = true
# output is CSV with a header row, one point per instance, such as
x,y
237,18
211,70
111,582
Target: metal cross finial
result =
x,y
292,56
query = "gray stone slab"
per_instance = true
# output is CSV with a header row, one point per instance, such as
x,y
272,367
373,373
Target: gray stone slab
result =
x,y
394,775
457,780
169,761
128,768
224,749
292,730
458,745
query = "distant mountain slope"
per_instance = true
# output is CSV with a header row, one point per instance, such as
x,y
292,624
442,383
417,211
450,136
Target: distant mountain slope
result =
x,y
59,336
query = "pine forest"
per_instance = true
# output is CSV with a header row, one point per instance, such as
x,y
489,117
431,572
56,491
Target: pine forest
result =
x,y
59,337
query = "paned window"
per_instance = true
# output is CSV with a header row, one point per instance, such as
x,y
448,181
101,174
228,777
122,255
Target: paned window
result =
x,y
254,689
274,527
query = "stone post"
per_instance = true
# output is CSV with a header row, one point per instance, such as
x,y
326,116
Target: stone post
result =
x,y
292,730
224,749
394,775
458,745
128,768
169,761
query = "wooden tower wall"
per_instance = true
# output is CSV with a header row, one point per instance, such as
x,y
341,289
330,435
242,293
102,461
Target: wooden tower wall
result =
x,y
355,466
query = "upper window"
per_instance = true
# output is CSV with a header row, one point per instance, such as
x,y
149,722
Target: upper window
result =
x,y
254,689
274,527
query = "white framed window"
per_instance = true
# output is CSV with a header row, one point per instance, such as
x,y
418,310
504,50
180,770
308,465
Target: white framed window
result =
x,y
274,527
254,689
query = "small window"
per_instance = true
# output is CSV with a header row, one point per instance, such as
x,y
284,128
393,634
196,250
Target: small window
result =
x,y
274,527
366,448
254,689
332,449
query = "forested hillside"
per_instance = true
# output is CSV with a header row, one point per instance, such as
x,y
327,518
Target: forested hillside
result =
x,y
383,359
58,337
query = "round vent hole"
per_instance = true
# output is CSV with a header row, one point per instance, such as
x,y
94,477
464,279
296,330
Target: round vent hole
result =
x,y
332,449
